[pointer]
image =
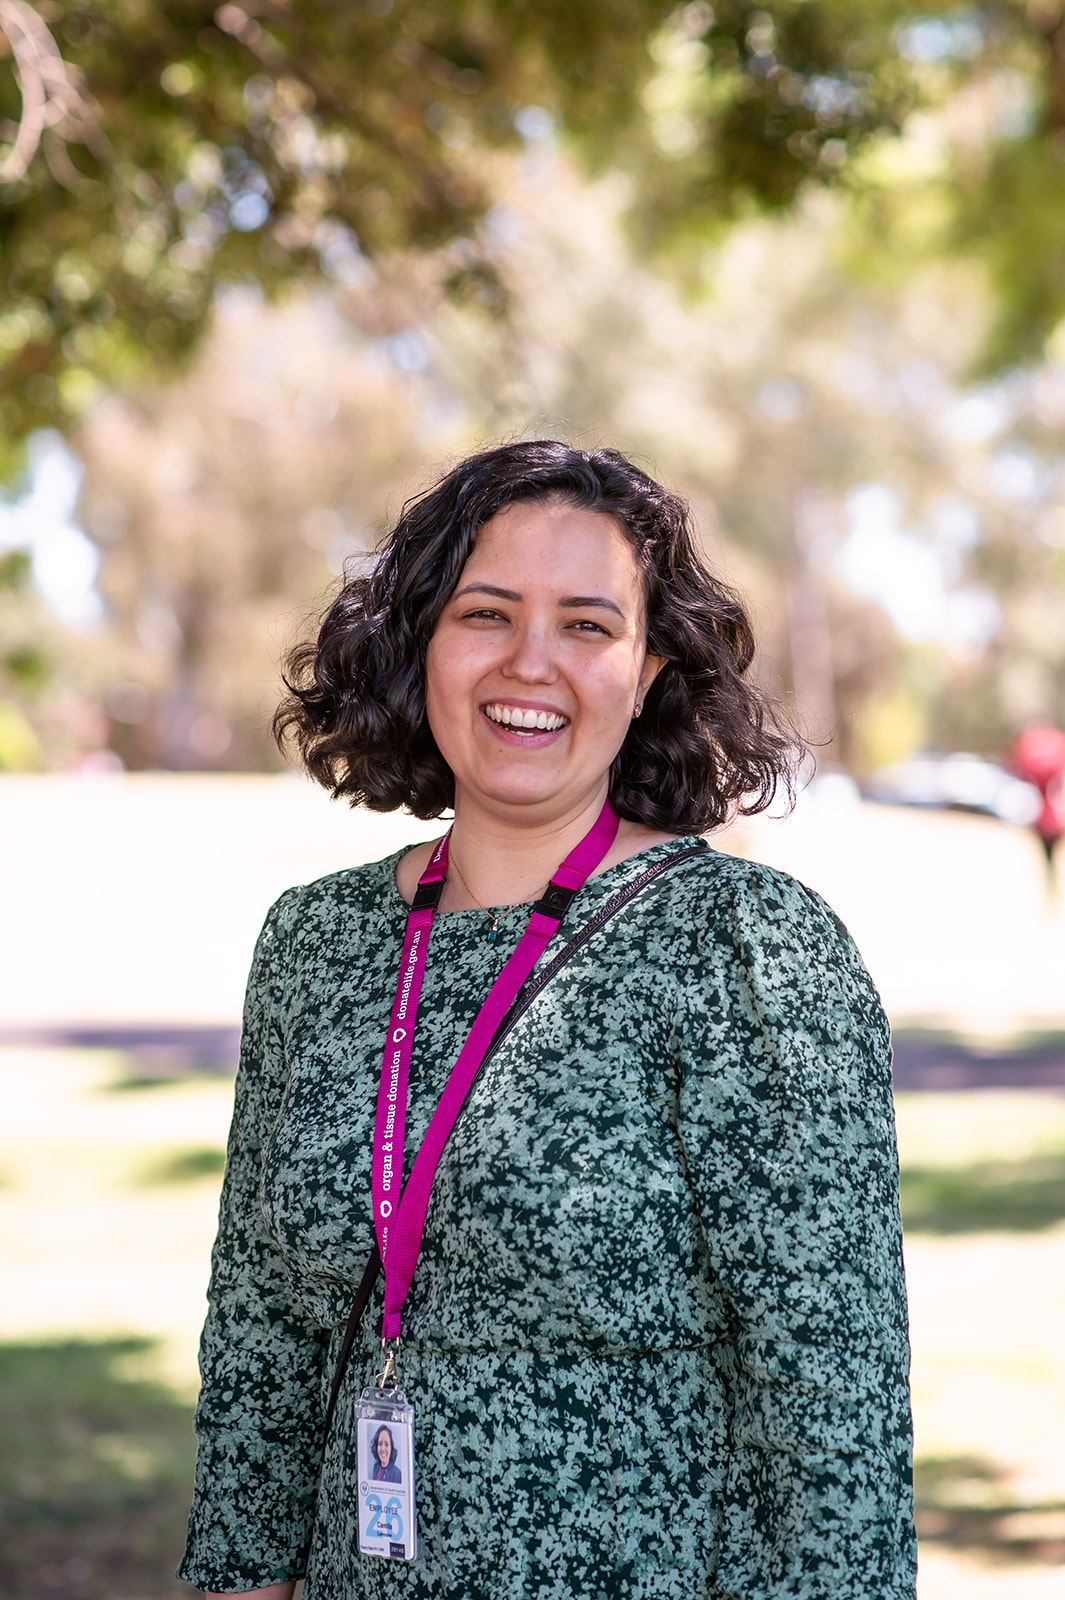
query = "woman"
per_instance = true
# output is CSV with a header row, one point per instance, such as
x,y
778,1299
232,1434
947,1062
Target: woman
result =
x,y
667,1213
384,1454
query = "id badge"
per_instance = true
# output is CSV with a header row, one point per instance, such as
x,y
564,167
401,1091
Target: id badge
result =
x,y
384,1423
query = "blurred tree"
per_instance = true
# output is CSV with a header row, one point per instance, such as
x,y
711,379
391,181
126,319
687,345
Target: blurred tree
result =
x,y
748,107
52,680
224,503
158,150
936,564
932,579
173,147
23,667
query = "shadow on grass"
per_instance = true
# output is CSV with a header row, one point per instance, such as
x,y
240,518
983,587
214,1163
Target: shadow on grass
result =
x,y
95,1474
961,1505
1019,1196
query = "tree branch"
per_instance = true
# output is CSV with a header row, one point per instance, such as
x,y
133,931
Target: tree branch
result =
x,y
53,101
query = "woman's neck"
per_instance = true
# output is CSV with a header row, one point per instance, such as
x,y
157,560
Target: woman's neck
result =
x,y
506,863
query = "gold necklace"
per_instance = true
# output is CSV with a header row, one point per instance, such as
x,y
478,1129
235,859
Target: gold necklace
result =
x,y
493,920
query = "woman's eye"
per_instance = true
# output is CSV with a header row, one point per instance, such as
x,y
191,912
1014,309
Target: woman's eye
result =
x,y
586,625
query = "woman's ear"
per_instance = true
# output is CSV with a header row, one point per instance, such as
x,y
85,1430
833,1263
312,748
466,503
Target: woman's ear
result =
x,y
652,666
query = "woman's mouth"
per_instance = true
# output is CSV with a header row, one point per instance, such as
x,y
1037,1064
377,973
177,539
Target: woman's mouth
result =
x,y
524,719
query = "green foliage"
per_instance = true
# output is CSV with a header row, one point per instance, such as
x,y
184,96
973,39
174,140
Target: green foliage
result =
x,y
16,568
749,105
272,146
284,142
278,142
281,142
25,662
28,666
984,181
1015,218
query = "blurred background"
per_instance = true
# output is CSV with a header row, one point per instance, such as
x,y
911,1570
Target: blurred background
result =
x,y
264,268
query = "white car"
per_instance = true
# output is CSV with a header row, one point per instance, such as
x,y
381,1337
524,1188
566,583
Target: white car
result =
x,y
957,782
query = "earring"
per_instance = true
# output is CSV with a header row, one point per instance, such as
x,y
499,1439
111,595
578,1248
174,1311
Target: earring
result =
x,y
637,708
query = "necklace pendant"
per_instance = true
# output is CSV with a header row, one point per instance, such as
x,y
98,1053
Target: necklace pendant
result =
x,y
493,930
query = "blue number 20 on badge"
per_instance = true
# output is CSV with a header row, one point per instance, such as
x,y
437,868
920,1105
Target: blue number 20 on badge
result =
x,y
385,1432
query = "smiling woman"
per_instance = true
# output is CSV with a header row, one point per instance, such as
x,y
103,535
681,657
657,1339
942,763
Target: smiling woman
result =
x,y
550,667
639,1207
709,739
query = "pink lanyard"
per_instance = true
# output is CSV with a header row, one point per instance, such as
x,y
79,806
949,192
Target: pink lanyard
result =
x,y
400,1220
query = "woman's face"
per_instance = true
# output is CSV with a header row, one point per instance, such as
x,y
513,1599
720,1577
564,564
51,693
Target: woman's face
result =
x,y
384,1449
537,662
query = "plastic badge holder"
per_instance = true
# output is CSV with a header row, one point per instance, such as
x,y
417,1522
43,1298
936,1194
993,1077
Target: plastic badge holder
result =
x,y
384,1422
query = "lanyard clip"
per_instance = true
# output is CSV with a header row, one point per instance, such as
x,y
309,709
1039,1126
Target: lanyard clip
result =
x,y
554,902
386,1378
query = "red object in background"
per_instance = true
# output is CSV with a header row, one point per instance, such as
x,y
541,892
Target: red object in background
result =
x,y
1039,757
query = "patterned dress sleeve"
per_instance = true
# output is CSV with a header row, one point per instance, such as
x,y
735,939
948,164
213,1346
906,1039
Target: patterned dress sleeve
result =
x,y
787,1123
258,1418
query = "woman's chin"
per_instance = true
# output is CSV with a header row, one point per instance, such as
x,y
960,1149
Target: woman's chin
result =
x,y
520,791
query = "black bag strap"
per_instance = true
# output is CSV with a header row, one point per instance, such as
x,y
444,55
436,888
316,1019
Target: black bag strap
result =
x,y
358,1306
581,937
518,1009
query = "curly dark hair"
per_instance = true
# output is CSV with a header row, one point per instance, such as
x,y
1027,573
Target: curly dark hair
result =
x,y
709,740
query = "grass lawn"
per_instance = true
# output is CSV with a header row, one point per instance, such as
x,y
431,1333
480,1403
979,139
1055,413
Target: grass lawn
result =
x,y
94,1474
983,1192
108,1191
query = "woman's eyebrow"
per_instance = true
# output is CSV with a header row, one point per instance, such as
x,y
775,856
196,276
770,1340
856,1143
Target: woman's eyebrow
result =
x,y
487,588
581,601
568,602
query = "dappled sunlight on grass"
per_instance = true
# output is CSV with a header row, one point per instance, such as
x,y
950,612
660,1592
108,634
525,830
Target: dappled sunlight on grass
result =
x,y
966,1503
959,1130
983,1194
982,1162
94,1474
107,1222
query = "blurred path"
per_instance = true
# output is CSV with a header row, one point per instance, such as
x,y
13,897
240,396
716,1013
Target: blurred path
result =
x,y
136,899
950,911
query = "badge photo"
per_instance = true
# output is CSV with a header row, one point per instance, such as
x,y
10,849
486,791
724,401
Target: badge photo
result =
x,y
385,1441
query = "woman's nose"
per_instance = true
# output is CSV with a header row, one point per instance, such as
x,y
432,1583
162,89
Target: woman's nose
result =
x,y
531,659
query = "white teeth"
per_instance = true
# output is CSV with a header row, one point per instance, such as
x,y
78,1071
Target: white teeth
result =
x,y
533,721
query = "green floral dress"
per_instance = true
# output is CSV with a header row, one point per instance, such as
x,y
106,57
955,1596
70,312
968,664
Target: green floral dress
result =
x,y
657,1333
